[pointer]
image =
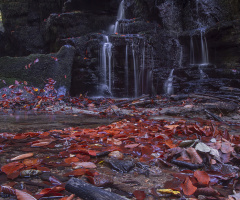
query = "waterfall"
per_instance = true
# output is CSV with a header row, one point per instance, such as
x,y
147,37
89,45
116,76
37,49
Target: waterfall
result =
x,y
204,48
121,15
168,85
135,72
106,60
126,70
202,59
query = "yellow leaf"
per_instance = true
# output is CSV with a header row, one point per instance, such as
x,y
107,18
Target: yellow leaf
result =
x,y
168,191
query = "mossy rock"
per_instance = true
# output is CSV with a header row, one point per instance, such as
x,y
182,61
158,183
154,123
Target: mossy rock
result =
x,y
37,68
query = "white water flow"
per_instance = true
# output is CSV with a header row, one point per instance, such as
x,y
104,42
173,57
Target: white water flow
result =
x,y
126,70
168,86
192,55
135,72
121,15
204,48
106,60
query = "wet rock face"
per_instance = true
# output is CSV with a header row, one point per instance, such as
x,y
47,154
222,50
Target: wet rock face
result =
x,y
109,7
164,25
74,24
22,24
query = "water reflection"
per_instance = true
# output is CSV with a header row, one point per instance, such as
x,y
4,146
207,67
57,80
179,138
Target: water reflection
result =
x,y
31,121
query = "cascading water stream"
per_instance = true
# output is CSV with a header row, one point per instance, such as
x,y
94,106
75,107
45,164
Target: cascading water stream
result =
x,y
204,48
106,60
126,70
136,66
168,86
135,72
121,15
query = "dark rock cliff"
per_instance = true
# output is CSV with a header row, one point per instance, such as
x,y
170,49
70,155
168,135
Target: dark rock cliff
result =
x,y
165,26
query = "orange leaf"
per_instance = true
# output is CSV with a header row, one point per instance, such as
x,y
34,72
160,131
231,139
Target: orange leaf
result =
x,y
20,136
23,156
12,167
93,152
131,146
77,172
71,160
170,144
89,165
188,187
23,195
202,177
195,158
31,162
43,142
68,198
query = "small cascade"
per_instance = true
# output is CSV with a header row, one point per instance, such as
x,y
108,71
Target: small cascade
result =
x,y
204,48
135,71
130,72
199,45
168,86
106,62
126,71
121,15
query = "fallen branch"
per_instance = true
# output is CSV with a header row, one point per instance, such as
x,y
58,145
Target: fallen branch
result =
x,y
87,191
213,116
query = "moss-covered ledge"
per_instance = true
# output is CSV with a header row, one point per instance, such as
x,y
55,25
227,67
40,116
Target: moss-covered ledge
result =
x,y
37,68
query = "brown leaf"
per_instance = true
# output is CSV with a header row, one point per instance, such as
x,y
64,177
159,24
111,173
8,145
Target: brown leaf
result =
x,y
77,172
206,192
131,146
188,187
88,165
195,158
71,160
23,195
12,167
32,161
23,156
41,143
202,177
7,190
140,195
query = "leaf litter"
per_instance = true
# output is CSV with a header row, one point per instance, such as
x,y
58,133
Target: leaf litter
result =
x,y
135,156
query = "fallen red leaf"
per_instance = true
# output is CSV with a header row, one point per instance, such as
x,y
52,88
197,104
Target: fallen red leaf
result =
x,y
23,156
23,195
12,167
77,172
140,195
195,158
188,187
71,160
202,177
32,162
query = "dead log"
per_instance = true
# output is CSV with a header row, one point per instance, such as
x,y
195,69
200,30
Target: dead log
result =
x,y
87,191
213,116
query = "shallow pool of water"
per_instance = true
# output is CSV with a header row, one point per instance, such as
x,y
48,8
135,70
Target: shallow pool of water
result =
x,y
25,122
